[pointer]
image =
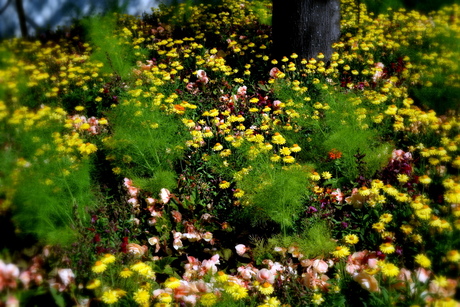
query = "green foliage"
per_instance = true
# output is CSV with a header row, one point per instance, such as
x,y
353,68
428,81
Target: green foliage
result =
x,y
275,193
147,143
110,49
313,241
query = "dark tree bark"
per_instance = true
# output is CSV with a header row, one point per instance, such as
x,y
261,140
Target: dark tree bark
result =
x,y
305,27
22,18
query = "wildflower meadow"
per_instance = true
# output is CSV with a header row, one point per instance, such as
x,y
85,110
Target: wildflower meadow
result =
x,y
168,160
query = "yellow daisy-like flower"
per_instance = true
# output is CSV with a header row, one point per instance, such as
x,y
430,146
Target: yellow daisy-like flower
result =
x,y
424,179
99,267
208,299
165,297
295,148
407,229
315,176
351,239
141,296
387,248
364,191
453,256
271,302
143,269
224,184
378,226
236,291
110,296
389,269
221,276
285,151
288,159
126,273
93,284
326,175
423,260
172,283
218,147
386,218
402,178
108,258
266,288
317,299
341,252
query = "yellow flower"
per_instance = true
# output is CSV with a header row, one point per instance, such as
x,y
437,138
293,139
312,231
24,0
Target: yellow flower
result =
x,y
266,288
165,297
108,258
315,176
217,147
389,269
386,218
351,239
453,256
99,267
79,108
423,260
285,151
111,296
141,296
278,139
126,273
172,283
236,291
326,175
295,148
378,226
208,299
224,184
288,159
317,299
364,191
93,284
387,248
403,178
407,229
424,179
221,276
341,252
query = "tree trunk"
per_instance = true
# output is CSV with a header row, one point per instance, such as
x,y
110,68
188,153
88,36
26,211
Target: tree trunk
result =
x,y
22,18
305,27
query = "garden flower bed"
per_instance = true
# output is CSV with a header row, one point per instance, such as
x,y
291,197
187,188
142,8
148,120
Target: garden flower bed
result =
x,y
168,160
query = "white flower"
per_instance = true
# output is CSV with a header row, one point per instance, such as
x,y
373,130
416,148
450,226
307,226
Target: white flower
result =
x,y
241,249
165,195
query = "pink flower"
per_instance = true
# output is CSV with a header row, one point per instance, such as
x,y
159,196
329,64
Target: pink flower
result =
x,y
242,91
66,276
320,266
177,216
202,77
136,249
246,272
274,72
265,275
210,265
241,249
207,236
165,195
367,281
8,275
156,242
338,195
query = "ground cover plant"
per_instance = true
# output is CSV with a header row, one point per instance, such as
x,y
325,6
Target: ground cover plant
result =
x,y
168,160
